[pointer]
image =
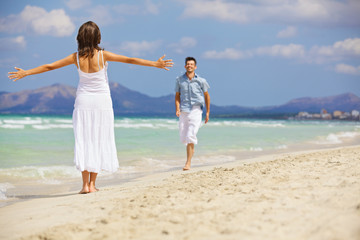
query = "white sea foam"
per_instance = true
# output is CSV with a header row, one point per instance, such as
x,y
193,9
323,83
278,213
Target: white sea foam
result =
x,y
333,139
337,138
172,121
264,124
256,149
215,123
52,126
153,163
134,125
26,121
282,147
3,189
137,125
50,181
249,124
146,123
12,126
348,134
49,174
173,124
167,126
68,121
230,123
36,123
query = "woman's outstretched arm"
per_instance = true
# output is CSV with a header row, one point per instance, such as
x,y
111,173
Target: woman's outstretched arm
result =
x,y
160,63
21,73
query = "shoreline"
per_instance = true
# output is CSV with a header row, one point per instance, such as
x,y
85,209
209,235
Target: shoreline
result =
x,y
271,196
29,192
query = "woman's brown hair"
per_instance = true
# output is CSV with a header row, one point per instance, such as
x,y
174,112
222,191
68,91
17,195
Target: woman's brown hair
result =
x,y
88,38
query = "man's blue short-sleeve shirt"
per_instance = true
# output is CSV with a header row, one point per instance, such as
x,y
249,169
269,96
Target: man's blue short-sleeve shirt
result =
x,y
191,91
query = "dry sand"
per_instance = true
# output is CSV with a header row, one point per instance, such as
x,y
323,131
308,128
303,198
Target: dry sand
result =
x,y
308,195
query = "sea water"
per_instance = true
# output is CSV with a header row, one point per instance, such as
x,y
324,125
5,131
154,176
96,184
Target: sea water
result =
x,y
36,152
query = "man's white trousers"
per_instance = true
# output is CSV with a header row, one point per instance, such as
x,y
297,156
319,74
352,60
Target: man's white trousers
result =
x,y
189,124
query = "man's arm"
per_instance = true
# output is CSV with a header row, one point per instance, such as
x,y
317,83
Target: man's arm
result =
x,y
177,103
207,103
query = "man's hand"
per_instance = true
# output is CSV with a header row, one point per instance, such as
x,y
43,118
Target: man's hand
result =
x,y
177,104
207,117
207,103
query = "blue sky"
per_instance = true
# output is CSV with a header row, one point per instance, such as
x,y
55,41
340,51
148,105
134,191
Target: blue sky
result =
x,y
252,52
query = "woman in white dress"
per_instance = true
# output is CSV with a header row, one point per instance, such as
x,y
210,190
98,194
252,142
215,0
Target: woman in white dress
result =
x,y
93,115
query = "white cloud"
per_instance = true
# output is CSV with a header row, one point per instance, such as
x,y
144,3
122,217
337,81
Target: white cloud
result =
x,y
183,44
220,10
140,48
339,50
286,51
319,12
77,4
151,8
228,53
102,16
12,43
347,69
288,32
107,14
131,9
38,20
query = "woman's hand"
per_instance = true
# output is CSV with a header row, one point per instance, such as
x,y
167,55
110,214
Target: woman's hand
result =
x,y
164,64
71,59
17,75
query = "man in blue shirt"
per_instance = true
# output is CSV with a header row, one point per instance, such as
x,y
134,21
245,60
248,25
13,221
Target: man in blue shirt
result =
x,y
191,89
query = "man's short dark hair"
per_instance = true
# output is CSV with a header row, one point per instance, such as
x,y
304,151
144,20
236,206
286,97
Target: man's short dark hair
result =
x,y
190,59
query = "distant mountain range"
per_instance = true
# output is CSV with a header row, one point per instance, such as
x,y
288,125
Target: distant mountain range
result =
x,y
59,99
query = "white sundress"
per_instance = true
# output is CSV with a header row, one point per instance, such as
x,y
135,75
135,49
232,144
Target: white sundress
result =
x,y
93,122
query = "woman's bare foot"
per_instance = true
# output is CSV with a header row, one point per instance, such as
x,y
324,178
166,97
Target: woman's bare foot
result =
x,y
92,188
186,168
84,190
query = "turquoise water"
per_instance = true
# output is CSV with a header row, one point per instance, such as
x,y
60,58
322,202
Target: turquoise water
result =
x,y
40,148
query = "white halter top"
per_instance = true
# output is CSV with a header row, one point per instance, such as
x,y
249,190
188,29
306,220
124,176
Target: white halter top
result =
x,y
93,83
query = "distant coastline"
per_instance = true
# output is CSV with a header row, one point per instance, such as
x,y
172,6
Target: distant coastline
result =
x,y
354,115
58,100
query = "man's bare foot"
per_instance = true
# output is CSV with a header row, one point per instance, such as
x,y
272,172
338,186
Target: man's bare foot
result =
x,y
186,168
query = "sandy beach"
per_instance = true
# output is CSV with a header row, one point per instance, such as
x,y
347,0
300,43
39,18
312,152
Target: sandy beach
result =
x,y
303,195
